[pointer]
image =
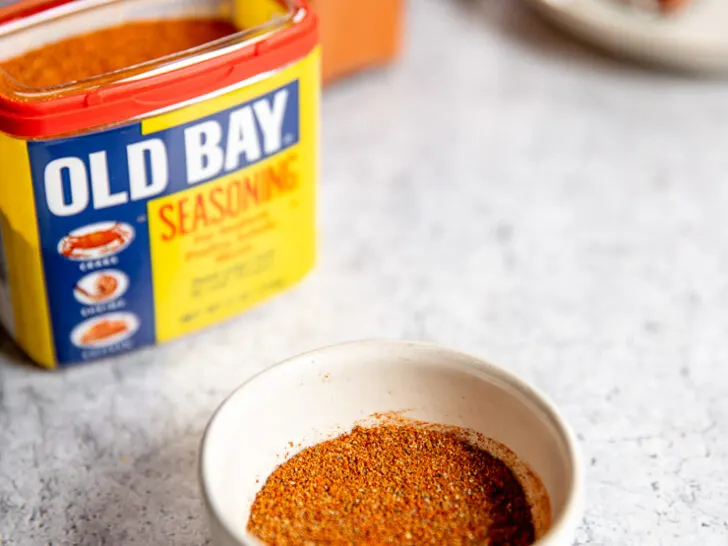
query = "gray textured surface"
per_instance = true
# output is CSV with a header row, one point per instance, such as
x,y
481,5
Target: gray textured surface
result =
x,y
504,191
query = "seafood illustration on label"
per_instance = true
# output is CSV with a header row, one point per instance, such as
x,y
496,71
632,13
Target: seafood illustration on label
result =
x,y
101,287
105,330
96,241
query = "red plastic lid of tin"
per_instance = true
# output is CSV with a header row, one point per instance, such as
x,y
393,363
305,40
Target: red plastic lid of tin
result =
x,y
128,94
15,9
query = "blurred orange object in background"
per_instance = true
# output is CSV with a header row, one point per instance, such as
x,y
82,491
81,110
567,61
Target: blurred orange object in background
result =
x,y
358,35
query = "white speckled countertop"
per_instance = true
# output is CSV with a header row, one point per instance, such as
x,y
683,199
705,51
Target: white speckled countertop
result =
x,y
504,191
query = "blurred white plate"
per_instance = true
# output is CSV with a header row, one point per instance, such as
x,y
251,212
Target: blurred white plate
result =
x,y
694,39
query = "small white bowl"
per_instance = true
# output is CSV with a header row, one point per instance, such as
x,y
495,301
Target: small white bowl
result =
x,y
321,394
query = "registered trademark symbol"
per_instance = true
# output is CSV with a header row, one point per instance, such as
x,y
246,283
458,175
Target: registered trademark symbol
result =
x,y
141,218
288,139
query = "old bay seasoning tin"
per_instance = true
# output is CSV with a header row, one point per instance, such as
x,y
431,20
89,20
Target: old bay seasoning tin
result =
x,y
140,205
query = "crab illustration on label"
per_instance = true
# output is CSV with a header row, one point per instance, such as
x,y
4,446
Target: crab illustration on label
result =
x,y
96,241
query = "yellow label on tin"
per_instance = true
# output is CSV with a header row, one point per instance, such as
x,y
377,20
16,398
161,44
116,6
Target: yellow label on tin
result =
x,y
221,246
225,246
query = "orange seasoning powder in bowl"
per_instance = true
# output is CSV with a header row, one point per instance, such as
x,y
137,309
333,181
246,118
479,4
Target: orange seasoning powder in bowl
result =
x,y
408,483
169,145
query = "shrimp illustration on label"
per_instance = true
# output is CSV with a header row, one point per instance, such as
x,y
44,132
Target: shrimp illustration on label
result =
x,y
101,287
96,241
105,330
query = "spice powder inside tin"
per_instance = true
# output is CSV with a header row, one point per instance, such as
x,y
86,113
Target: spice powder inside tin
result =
x,y
114,48
393,484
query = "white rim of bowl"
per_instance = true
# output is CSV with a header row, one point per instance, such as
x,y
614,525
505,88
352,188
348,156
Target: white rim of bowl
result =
x,y
570,516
